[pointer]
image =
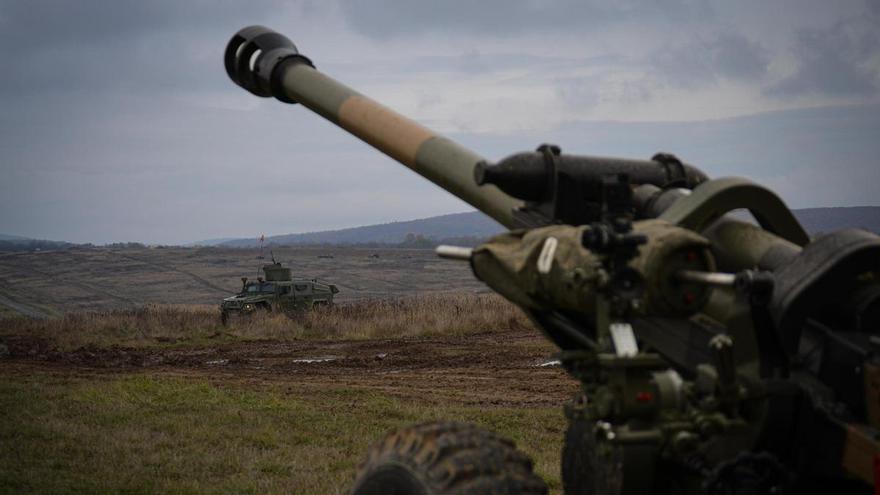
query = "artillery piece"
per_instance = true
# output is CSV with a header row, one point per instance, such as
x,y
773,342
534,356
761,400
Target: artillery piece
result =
x,y
716,355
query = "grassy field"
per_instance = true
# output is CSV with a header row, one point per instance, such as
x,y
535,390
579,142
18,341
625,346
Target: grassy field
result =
x,y
49,283
165,399
149,434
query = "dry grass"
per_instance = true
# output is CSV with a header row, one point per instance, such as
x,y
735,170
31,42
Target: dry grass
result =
x,y
434,314
143,434
201,432
99,279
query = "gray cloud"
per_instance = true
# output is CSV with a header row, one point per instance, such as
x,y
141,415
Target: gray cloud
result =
x,y
383,19
734,56
117,121
37,23
699,62
835,61
124,45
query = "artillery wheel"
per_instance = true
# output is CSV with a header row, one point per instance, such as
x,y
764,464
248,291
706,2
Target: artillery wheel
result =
x,y
595,467
584,472
446,458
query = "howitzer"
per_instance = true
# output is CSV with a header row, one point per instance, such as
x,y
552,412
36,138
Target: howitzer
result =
x,y
716,355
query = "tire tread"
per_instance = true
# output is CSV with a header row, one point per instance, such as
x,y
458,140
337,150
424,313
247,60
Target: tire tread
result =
x,y
452,458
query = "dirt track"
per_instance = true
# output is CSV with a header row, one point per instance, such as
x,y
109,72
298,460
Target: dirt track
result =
x,y
23,309
498,368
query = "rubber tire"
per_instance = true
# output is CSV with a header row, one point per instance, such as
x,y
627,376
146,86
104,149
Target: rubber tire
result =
x,y
583,473
446,458
224,318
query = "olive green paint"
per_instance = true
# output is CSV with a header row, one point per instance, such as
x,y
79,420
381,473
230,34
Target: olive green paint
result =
x,y
451,166
316,91
712,199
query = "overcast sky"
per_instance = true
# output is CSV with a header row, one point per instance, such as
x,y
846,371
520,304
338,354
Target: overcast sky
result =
x,y
118,122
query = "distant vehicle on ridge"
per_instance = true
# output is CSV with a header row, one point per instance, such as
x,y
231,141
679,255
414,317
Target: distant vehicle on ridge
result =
x,y
278,291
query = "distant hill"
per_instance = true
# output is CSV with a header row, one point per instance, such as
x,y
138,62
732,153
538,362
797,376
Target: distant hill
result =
x,y
6,237
456,225
817,220
477,225
25,244
211,242
457,228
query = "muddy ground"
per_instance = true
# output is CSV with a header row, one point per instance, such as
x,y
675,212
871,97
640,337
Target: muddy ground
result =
x,y
492,369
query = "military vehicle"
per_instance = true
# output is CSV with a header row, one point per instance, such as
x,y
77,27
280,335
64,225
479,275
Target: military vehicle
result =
x,y
716,355
278,291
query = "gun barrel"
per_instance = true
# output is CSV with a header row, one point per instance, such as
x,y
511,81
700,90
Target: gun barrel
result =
x,y
268,64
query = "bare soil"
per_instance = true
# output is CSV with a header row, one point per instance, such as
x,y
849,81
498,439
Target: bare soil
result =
x,y
489,369
127,365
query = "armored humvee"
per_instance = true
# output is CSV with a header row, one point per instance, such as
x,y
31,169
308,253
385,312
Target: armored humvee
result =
x,y
278,291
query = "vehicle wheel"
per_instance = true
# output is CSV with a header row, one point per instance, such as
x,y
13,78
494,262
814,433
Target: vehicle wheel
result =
x,y
594,467
446,458
224,318
584,471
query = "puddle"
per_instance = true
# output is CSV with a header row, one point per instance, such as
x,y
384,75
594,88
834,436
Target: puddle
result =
x,y
218,362
555,362
315,360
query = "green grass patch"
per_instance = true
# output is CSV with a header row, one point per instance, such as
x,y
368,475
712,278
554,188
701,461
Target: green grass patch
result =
x,y
147,434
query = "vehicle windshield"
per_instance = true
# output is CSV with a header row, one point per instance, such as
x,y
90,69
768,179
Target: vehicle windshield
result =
x,y
255,288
